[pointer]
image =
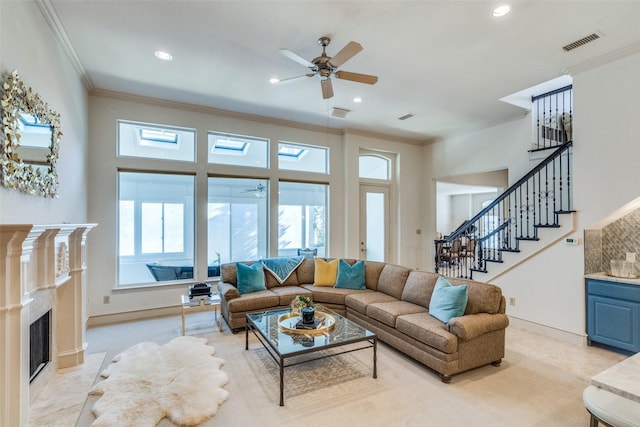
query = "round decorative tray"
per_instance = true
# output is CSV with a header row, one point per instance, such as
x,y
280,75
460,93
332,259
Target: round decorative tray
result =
x,y
287,323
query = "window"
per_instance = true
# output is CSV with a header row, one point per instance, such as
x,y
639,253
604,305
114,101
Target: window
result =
x,y
156,141
302,218
304,158
236,220
373,166
155,227
228,149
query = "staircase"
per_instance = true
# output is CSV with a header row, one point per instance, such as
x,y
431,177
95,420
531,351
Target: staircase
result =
x,y
529,216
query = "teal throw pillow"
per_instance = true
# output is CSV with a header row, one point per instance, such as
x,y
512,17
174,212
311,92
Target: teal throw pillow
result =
x,y
448,301
350,276
250,278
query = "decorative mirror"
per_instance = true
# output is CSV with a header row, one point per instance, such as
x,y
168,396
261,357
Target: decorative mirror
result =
x,y
30,140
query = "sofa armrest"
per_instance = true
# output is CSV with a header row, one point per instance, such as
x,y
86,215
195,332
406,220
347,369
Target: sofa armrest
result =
x,y
228,291
471,326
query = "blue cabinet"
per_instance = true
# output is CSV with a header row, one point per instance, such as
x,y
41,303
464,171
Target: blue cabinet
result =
x,y
613,314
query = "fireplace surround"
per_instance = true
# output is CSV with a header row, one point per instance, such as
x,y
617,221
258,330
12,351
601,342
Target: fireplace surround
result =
x,y
42,270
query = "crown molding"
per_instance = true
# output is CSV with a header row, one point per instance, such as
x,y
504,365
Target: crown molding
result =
x,y
604,59
51,16
387,137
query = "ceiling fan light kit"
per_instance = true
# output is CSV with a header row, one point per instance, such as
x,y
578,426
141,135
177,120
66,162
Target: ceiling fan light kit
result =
x,y
325,66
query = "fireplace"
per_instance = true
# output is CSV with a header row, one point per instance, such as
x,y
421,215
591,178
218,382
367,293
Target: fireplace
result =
x,y
42,310
39,345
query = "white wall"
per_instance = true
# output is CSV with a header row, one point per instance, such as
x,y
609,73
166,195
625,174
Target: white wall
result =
x,y
106,109
549,289
607,128
28,45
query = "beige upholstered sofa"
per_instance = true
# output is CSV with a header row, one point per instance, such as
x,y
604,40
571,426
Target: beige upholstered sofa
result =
x,y
394,305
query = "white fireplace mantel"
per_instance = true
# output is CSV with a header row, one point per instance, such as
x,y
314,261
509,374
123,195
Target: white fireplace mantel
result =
x,y
42,268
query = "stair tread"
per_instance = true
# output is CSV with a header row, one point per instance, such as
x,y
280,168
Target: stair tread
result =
x,y
532,239
547,225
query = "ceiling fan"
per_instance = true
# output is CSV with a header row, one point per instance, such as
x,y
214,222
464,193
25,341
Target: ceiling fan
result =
x,y
324,66
258,191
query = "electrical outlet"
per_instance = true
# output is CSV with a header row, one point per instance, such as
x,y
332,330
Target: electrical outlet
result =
x,y
512,301
106,299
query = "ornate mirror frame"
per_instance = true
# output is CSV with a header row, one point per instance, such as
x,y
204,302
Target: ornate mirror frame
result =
x,y
31,178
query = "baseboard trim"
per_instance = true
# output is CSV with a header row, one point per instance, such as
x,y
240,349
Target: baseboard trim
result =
x,y
108,319
549,331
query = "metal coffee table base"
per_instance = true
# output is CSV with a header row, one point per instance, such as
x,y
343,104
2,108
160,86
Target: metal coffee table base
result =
x,y
280,358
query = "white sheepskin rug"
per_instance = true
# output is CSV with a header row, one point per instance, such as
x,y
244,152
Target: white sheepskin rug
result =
x,y
180,380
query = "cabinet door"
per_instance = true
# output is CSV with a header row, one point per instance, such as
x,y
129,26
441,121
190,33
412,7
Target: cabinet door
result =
x,y
614,322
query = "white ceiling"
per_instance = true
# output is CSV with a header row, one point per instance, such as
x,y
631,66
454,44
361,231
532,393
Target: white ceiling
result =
x,y
447,62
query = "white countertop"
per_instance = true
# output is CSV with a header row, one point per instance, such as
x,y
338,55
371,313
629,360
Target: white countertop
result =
x,y
606,277
622,378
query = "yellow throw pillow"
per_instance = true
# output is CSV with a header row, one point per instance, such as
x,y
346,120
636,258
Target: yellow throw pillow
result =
x,y
326,272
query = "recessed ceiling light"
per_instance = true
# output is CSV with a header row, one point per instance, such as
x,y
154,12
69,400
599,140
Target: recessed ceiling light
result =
x,y
165,56
357,99
274,80
501,10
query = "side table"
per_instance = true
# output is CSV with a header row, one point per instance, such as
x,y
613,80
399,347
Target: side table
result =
x,y
198,304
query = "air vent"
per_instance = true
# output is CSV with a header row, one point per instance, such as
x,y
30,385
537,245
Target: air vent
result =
x,y
339,113
405,117
581,42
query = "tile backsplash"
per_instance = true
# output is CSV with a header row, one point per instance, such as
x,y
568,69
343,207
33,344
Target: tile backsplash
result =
x,y
613,241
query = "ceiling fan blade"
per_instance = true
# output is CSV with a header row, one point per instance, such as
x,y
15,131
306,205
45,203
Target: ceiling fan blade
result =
x,y
327,88
294,79
295,57
345,54
357,77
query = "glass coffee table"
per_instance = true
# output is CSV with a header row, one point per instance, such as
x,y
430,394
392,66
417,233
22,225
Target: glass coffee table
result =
x,y
275,329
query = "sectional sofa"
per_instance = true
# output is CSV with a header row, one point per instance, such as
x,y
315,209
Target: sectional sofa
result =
x,y
394,305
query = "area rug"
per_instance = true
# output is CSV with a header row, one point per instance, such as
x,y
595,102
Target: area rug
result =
x,y
180,380
310,376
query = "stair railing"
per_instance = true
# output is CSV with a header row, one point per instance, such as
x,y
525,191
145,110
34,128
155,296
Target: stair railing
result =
x,y
533,202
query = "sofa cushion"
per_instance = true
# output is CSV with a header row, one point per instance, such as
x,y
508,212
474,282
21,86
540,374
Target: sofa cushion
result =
x,y
387,312
372,270
272,282
447,301
327,295
250,278
392,280
428,330
483,297
326,272
350,276
260,300
419,287
282,268
288,293
361,300
305,271
229,272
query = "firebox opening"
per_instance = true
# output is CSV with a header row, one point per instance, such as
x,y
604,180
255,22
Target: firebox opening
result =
x,y
39,339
